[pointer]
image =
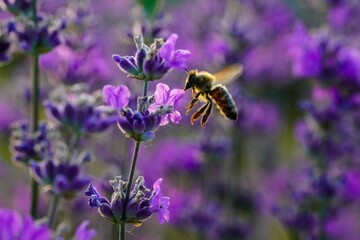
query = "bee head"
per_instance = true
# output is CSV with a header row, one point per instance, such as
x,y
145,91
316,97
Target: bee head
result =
x,y
190,79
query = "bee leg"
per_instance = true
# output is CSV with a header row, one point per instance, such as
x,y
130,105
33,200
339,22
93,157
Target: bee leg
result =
x,y
199,112
192,103
205,117
193,93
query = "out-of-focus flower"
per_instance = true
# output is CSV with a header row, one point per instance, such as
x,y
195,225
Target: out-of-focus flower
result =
x,y
352,185
74,66
79,112
83,233
138,208
116,97
64,178
26,145
160,203
10,114
4,42
17,7
316,190
186,158
343,226
154,61
41,38
166,97
14,226
259,116
343,16
306,56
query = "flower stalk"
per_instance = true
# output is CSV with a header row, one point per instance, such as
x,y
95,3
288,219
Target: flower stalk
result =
x,y
52,210
128,189
132,172
35,113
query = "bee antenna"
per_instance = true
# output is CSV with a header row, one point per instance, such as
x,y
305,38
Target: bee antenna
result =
x,y
186,70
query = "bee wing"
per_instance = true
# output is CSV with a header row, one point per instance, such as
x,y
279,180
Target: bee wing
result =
x,y
229,74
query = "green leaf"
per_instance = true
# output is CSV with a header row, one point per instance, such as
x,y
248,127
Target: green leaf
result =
x,y
151,7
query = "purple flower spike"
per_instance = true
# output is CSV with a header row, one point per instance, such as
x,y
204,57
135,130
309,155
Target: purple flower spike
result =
x,y
28,146
139,207
154,61
64,178
175,58
79,112
160,203
116,97
166,97
43,38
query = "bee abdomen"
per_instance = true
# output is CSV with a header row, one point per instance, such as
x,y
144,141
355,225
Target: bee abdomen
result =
x,y
224,102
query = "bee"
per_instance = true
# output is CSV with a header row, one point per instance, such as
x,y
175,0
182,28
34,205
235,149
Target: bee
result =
x,y
208,88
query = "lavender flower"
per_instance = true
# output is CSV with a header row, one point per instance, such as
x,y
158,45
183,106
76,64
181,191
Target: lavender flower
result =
x,y
306,213
75,66
64,178
150,114
152,62
137,209
26,145
78,112
141,124
13,226
164,96
41,38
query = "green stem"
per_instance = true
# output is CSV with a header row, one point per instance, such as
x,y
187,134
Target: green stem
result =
x,y
122,231
74,141
34,12
35,113
34,198
131,175
146,81
35,125
115,231
52,211
128,189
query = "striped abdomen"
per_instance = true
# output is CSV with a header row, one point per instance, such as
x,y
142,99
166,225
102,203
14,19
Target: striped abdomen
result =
x,y
224,102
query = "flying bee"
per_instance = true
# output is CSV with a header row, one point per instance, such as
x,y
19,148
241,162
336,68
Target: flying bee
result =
x,y
208,88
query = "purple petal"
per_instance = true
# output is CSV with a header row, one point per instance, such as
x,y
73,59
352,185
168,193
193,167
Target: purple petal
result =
x,y
157,184
164,120
167,50
179,59
160,203
116,97
161,93
175,117
175,95
50,170
61,184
